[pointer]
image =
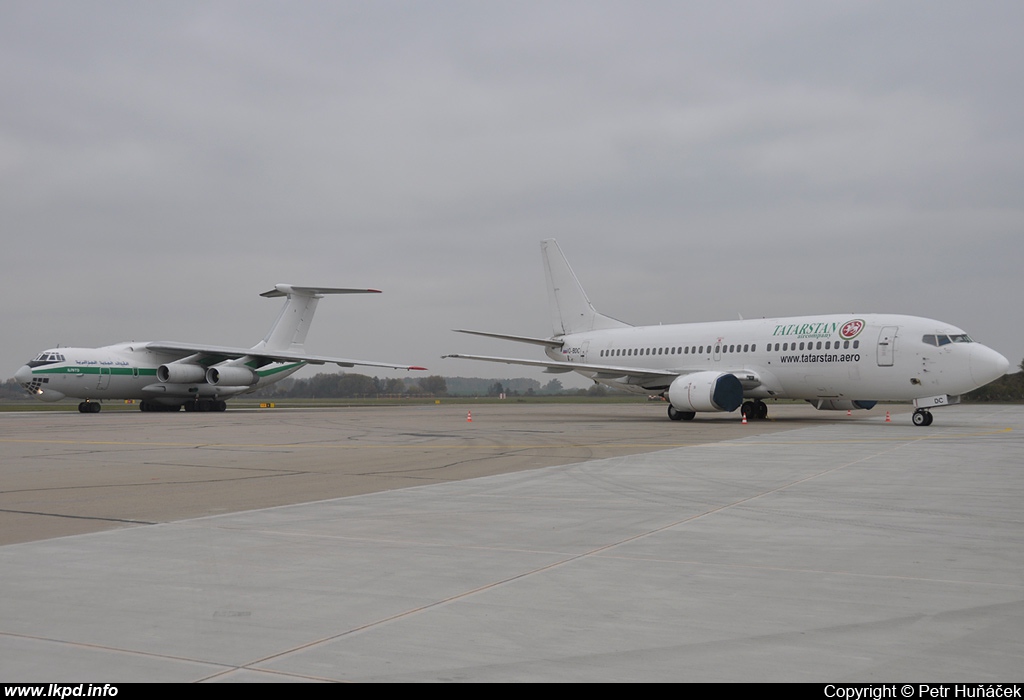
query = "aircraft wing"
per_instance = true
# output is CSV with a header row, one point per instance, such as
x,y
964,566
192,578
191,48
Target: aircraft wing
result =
x,y
631,375
640,376
218,353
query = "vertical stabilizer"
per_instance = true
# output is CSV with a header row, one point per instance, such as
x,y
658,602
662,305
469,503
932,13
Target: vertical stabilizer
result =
x,y
292,324
571,310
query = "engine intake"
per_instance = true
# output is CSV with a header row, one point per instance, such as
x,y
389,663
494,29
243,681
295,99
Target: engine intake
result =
x,y
705,391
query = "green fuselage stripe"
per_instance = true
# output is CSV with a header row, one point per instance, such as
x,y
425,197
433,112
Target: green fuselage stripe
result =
x,y
270,372
112,371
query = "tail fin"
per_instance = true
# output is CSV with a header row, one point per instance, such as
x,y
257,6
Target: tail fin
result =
x,y
292,324
571,310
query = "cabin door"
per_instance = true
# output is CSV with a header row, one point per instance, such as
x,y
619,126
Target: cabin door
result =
x,y
887,346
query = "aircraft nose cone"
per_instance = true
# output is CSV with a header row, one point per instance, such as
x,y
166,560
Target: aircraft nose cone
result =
x,y
987,365
23,375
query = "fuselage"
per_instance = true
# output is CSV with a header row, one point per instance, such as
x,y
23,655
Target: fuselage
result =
x,y
856,357
127,371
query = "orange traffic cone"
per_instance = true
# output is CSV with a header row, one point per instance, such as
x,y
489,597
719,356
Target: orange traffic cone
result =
x,y
887,418
469,416
744,418
849,413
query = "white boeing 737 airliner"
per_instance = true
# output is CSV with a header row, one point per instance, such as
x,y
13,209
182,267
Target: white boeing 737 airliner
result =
x,y
835,362
165,376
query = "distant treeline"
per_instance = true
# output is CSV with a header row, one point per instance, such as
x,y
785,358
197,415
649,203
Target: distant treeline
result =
x,y
345,385
1009,387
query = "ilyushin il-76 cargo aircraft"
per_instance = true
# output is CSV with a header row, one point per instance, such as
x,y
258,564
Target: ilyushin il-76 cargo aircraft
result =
x,y
166,376
835,362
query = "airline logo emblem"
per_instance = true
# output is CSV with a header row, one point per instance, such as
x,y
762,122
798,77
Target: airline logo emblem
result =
x,y
851,329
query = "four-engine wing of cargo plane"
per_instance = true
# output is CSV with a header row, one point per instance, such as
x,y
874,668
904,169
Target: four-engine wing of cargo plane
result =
x,y
833,361
166,376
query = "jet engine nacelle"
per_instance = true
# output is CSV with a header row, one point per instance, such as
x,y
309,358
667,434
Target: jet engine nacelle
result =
x,y
705,391
838,405
181,373
231,376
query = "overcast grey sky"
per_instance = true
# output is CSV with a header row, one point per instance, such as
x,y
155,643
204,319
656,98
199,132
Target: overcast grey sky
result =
x,y
162,163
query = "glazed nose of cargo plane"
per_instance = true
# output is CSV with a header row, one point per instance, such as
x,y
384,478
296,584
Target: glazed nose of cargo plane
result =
x,y
987,365
24,375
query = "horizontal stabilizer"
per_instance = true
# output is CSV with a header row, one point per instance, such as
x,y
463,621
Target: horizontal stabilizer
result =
x,y
546,342
283,290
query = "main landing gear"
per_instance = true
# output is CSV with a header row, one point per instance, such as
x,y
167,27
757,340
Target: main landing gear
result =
x,y
922,417
190,406
206,405
158,407
673,414
88,407
754,410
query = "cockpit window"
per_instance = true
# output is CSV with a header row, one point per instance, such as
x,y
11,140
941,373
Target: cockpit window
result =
x,y
940,340
45,358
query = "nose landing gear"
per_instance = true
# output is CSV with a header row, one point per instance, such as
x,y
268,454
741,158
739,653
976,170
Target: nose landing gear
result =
x,y
922,417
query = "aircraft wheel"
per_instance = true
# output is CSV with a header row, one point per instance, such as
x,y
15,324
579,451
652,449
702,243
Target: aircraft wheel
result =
x,y
922,418
220,405
84,408
762,410
748,410
680,415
